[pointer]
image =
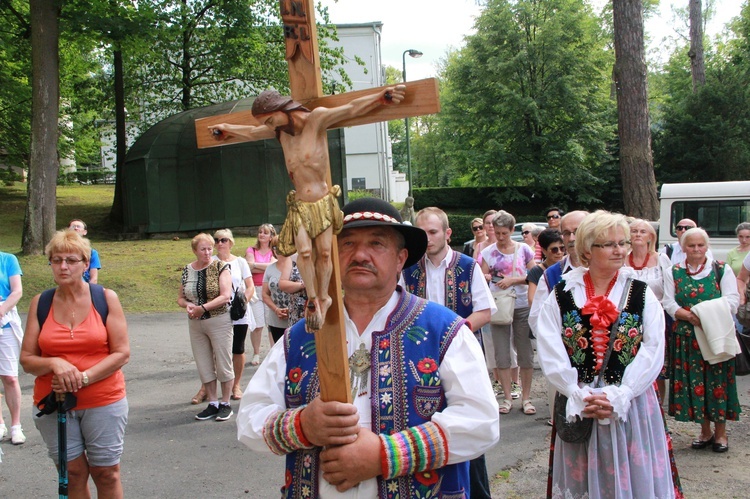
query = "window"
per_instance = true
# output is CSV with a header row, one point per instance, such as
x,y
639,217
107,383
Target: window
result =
x,y
717,218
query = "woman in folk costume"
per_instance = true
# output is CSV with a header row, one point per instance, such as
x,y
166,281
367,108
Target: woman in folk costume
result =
x,y
626,454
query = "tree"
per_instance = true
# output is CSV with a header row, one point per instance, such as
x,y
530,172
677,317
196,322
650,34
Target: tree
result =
x,y
697,66
636,163
41,207
525,102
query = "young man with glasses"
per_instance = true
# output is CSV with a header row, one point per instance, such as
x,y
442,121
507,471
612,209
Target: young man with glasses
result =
x,y
674,250
554,216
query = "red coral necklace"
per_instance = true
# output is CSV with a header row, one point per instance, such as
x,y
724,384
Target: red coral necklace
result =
x,y
589,283
699,270
633,265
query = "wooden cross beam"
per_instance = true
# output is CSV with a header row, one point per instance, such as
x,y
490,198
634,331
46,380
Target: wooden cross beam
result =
x,y
300,34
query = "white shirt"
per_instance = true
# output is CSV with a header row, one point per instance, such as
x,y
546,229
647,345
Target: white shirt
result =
x,y
481,298
470,421
555,363
654,276
728,286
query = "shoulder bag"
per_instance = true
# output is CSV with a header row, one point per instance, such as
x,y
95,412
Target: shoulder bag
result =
x,y
505,300
238,307
579,430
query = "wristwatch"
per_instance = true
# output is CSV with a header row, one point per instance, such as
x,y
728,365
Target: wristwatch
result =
x,y
85,379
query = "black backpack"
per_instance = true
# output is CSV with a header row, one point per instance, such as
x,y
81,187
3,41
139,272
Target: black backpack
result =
x,y
97,297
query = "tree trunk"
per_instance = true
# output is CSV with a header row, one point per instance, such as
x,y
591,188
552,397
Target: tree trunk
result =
x,y
697,66
117,213
636,163
41,206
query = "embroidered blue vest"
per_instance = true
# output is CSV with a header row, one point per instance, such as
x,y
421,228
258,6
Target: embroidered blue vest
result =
x,y
458,278
576,334
406,391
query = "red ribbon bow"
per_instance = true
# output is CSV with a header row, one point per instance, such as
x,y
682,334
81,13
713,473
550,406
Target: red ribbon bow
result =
x,y
603,312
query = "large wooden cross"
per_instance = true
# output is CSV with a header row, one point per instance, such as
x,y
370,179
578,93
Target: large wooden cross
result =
x,y
300,34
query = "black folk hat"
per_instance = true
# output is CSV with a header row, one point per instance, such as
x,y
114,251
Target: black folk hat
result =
x,y
369,212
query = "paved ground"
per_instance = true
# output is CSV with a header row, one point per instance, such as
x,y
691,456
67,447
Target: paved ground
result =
x,y
170,455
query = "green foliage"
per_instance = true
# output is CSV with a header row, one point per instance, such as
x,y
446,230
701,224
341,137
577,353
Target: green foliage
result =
x,y
703,136
358,194
526,102
15,82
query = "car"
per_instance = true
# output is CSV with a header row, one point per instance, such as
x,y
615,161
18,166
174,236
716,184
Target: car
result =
x,y
517,236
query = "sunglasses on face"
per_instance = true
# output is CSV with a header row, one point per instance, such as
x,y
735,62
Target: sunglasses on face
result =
x,y
556,249
551,217
683,227
477,228
525,232
223,240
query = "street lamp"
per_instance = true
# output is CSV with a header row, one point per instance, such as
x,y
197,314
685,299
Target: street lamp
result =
x,y
415,54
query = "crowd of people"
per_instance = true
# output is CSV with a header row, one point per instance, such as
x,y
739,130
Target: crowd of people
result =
x,y
615,322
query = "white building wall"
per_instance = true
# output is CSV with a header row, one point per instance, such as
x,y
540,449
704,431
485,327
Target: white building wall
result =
x,y
369,163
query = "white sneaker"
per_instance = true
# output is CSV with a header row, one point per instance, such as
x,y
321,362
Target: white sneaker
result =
x,y
16,435
3,431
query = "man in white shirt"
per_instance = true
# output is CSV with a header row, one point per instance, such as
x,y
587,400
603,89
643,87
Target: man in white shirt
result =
x,y
456,281
674,250
422,402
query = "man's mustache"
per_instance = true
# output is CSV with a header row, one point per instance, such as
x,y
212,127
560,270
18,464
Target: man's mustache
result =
x,y
365,266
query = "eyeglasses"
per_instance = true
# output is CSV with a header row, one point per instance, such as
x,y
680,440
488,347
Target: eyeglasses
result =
x,y
477,228
610,245
556,249
69,261
550,217
223,240
684,227
525,232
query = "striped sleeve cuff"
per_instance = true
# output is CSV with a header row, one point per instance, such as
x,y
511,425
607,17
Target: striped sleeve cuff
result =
x,y
283,432
415,449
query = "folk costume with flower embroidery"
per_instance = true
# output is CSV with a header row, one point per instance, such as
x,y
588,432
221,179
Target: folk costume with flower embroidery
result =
x,y
420,353
459,277
627,458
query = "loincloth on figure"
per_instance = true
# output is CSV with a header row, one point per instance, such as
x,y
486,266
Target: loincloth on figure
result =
x,y
314,216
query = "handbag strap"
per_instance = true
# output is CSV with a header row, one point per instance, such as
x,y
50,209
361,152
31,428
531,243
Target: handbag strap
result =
x,y
613,331
515,255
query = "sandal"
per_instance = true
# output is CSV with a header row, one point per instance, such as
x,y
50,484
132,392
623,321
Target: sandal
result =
x,y
505,406
528,408
200,397
236,393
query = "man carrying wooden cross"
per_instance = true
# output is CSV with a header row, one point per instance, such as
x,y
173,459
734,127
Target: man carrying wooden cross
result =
x,y
313,215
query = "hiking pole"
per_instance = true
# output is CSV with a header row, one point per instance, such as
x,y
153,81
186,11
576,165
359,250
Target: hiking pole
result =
x,y
62,446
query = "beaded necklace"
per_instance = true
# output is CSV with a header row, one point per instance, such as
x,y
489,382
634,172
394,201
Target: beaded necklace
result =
x,y
700,268
589,283
631,261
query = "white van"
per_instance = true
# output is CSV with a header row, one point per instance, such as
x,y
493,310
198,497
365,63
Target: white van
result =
x,y
717,207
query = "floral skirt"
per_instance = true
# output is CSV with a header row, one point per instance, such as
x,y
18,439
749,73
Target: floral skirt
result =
x,y
699,390
620,460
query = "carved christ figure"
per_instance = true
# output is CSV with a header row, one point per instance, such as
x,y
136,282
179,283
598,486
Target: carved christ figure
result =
x,y
313,215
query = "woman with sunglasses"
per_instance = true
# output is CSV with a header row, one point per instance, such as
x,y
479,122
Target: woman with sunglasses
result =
x,y
554,217
205,293
477,227
242,282
553,249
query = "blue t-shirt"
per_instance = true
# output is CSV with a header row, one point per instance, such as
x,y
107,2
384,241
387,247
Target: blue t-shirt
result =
x,y
93,264
8,268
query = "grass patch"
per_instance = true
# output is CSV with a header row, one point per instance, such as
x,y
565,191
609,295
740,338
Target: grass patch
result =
x,y
144,273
